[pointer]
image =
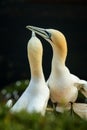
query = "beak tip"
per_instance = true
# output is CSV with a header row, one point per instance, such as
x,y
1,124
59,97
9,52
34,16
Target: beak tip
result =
x,y
26,27
29,27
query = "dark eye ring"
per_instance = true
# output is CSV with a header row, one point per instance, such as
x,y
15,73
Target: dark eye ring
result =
x,y
48,34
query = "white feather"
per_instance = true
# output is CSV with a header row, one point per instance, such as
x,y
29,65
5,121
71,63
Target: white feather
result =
x,y
36,95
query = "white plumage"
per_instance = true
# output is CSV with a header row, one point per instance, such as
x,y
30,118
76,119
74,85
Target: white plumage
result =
x,y
63,85
36,95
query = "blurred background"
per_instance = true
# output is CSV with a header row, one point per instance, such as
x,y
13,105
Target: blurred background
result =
x,y
68,16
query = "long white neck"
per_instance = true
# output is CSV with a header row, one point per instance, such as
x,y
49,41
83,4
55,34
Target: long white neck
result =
x,y
36,68
58,63
35,52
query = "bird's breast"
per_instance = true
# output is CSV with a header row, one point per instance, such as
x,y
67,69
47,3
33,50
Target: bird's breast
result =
x,y
63,95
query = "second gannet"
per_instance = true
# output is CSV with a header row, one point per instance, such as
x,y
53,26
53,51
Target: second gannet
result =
x,y
63,85
36,95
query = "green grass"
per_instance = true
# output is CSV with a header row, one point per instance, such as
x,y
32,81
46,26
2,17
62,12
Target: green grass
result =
x,y
26,121
51,121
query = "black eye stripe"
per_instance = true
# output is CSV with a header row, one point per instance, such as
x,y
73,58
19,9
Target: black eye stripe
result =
x,y
49,34
45,33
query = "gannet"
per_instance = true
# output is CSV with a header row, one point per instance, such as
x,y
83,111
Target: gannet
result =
x,y
63,85
36,95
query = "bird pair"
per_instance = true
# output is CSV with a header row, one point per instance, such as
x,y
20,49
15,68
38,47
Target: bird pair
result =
x,y
62,87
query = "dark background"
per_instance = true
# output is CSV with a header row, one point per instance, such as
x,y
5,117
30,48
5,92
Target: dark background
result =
x,y
70,17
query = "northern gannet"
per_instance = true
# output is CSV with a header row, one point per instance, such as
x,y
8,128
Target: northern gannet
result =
x,y
63,85
36,95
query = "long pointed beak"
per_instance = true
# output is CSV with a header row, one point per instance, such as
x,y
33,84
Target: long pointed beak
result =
x,y
41,31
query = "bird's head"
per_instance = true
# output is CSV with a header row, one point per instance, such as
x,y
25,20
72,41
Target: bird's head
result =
x,y
34,49
55,38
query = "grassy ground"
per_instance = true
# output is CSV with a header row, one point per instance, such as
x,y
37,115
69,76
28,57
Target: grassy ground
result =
x,y
51,121
26,121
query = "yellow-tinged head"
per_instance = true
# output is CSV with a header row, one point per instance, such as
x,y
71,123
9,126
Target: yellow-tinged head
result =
x,y
35,51
34,48
55,38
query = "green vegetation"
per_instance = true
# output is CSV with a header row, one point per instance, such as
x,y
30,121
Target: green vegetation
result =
x,y
25,121
51,121
13,91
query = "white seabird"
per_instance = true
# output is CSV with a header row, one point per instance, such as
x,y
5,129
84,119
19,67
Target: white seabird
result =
x,y
63,85
36,95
